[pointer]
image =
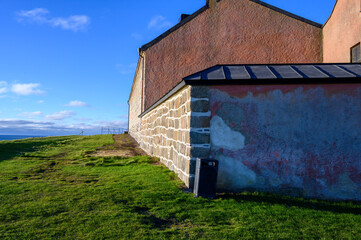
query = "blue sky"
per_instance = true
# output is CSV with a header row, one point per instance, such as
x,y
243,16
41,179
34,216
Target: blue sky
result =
x,y
68,65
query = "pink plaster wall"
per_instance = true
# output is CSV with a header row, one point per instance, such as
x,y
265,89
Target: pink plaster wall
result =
x,y
342,31
289,139
233,32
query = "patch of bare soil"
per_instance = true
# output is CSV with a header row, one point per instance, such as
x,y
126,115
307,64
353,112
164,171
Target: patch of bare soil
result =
x,y
124,146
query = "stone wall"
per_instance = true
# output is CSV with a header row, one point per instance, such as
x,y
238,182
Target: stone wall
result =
x,y
342,31
177,131
301,140
232,32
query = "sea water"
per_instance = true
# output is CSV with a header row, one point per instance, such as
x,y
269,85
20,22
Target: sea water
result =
x,y
15,137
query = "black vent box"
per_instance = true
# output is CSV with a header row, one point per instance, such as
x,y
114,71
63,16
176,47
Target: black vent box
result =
x,y
205,184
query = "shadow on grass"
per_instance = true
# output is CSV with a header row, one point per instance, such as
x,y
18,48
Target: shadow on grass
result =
x,y
348,207
11,149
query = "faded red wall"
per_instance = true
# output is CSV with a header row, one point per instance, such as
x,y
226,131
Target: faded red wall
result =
x,y
342,31
234,32
292,139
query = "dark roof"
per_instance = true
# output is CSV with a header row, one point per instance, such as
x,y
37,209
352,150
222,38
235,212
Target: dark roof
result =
x,y
276,73
257,74
194,15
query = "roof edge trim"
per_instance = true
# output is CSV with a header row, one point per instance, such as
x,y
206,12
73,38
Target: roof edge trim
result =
x,y
274,81
135,77
204,8
174,28
289,14
164,98
333,10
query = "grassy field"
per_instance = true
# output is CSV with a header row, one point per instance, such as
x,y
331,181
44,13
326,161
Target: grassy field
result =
x,y
51,188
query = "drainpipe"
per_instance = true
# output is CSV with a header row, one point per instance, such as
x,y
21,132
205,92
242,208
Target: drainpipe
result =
x,y
141,55
128,114
212,3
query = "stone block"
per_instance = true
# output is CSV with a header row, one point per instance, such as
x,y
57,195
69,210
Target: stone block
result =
x,y
170,133
176,123
199,92
186,138
183,110
183,148
200,122
183,165
184,122
199,138
199,152
200,106
175,135
188,106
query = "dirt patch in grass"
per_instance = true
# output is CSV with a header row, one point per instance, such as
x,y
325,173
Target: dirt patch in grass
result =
x,y
124,146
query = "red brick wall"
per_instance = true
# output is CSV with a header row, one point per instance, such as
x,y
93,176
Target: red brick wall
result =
x,y
233,32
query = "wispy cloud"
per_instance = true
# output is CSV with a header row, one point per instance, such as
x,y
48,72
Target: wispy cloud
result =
x,y
3,87
126,69
41,16
40,101
159,22
136,36
31,114
74,23
46,128
112,124
77,103
26,89
37,15
60,115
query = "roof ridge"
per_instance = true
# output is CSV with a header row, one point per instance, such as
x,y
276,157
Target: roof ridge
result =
x,y
204,8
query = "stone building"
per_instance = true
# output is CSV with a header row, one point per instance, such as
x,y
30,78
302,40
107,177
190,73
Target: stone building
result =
x,y
271,95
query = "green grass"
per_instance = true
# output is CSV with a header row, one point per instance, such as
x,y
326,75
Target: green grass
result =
x,y
51,189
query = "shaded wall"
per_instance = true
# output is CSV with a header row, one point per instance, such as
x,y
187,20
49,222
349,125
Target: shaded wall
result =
x,y
135,104
342,31
297,140
233,32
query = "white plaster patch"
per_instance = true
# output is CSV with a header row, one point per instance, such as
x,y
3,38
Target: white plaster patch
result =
x,y
233,174
222,136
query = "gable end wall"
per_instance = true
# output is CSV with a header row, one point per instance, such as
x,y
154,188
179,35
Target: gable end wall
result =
x,y
233,32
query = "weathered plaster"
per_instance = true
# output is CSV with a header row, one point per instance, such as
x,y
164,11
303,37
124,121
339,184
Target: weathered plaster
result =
x,y
342,31
299,140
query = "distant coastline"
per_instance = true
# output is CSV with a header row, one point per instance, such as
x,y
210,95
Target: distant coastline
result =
x,y
16,137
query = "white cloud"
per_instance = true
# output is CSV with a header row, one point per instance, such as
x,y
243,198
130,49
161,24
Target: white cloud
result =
x,y
112,124
36,15
77,103
74,23
136,36
26,89
40,101
126,69
3,87
31,114
40,15
48,128
60,115
159,22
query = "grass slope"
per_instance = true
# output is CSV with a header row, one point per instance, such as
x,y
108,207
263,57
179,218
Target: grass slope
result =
x,y
51,189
